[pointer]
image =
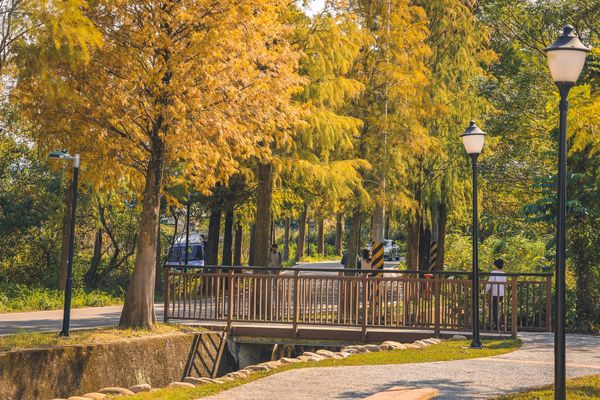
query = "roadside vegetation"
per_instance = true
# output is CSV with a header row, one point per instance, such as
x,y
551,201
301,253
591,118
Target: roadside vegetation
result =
x,y
445,351
15,298
28,340
585,388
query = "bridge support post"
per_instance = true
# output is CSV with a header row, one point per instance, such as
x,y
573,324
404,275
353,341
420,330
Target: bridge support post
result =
x,y
437,308
365,283
230,300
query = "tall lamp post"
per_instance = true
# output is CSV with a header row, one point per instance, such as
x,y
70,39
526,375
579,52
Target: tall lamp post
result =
x,y
566,57
473,139
69,284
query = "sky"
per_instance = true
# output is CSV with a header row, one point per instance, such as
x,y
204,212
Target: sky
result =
x,y
314,6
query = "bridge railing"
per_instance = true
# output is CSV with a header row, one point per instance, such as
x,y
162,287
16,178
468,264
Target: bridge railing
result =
x,y
440,301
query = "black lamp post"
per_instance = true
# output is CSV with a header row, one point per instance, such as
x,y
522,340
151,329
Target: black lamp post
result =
x,y
473,139
566,57
69,284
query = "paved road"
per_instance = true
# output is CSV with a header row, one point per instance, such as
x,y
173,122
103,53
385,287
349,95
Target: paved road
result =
x,y
40,321
465,379
97,316
336,265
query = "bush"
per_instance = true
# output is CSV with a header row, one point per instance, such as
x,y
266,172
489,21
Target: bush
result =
x,y
22,298
519,253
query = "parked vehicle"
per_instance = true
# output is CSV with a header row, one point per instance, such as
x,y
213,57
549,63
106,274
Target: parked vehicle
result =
x,y
195,252
391,251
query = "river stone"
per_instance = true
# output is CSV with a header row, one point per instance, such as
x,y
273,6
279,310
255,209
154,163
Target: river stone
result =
x,y
272,364
421,343
394,345
326,353
181,384
195,381
225,379
430,341
116,391
458,337
256,368
142,387
372,347
286,360
355,349
311,354
95,396
343,354
238,374
412,346
78,398
304,358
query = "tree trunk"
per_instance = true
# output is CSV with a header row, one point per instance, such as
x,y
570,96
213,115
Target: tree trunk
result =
x,y
228,237
387,227
138,310
273,231
264,198
90,278
321,237
64,251
158,282
237,250
286,240
441,242
301,234
252,247
214,231
378,222
424,246
354,242
339,234
412,244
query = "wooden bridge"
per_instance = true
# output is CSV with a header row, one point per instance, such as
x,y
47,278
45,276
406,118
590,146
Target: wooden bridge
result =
x,y
342,305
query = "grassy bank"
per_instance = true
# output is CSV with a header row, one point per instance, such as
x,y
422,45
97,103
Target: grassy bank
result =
x,y
446,351
577,389
22,298
28,340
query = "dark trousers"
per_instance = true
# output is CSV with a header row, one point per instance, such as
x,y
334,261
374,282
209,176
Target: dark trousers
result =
x,y
496,301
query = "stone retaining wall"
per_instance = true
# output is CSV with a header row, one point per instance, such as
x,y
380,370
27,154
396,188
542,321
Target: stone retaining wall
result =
x,y
61,371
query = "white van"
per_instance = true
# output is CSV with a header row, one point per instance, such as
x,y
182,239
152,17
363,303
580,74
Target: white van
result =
x,y
195,252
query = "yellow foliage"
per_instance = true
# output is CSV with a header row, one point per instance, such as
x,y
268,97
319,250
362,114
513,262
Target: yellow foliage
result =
x,y
200,85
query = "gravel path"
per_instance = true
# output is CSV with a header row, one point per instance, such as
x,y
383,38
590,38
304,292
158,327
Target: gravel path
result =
x,y
465,379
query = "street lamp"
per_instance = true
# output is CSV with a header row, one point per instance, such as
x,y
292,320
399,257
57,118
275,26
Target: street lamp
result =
x,y
473,139
566,57
63,155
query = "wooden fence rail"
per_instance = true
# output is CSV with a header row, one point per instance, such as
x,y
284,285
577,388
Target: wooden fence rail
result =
x,y
396,299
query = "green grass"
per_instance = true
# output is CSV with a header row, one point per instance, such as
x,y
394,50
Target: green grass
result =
x,y
446,351
15,298
312,259
577,389
29,340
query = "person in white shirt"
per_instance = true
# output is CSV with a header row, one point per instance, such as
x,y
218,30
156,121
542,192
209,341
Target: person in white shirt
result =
x,y
496,287
275,256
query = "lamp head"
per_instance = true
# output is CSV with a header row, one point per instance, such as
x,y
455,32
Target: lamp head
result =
x,y
566,56
58,154
473,139
64,155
